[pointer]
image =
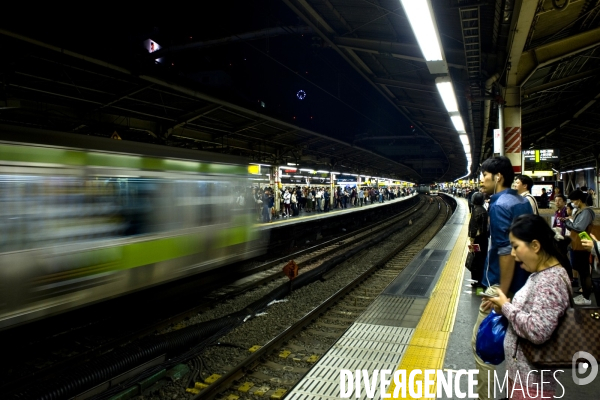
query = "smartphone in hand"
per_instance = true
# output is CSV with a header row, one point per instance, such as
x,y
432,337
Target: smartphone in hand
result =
x,y
488,295
584,235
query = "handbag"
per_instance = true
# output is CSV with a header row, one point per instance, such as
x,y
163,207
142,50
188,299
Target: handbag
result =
x,y
577,330
489,344
469,261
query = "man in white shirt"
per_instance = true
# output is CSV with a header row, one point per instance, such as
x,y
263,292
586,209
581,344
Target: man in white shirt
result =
x,y
523,185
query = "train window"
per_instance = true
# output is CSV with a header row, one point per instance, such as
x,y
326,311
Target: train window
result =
x,y
39,210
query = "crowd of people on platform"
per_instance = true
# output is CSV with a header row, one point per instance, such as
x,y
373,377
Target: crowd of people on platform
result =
x,y
527,266
294,200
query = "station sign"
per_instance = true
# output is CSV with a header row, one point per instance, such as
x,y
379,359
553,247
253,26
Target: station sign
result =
x,y
541,160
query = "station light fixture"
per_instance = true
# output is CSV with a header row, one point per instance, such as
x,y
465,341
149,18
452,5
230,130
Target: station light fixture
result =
x,y
458,123
444,86
422,21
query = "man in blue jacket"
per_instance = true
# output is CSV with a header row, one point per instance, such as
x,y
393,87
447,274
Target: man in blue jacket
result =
x,y
500,269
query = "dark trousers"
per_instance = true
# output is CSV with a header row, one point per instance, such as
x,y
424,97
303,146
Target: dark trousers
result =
x,y
581,264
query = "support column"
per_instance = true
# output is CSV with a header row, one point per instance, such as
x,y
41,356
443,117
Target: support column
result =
x,y
512,127
277,188
331,190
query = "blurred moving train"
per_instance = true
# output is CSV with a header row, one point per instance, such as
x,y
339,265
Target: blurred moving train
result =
x,y
85,219
428,189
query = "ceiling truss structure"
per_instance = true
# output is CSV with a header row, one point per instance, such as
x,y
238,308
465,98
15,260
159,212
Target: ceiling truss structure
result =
x,y
551,56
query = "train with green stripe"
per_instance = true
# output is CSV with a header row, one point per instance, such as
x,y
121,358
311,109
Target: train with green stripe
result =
x,y
84,219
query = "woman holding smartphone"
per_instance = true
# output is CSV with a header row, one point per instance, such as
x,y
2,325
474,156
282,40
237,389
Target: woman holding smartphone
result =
x,y
577,223
537,307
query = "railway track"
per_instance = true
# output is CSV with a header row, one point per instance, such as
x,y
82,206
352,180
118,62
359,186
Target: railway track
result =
x,y
94,340
278,365
228,356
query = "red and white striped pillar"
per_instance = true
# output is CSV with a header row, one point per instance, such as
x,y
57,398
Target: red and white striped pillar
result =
x,y
512,128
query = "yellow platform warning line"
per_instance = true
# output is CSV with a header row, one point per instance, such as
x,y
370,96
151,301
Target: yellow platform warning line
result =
x,y
427,348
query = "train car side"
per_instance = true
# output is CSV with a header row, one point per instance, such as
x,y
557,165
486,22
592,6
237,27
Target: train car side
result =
x,y
84,225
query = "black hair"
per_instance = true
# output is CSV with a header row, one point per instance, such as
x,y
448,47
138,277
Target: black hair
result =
x,y
525,180
499,165
530,227
577,195
477,199
570,205
562,196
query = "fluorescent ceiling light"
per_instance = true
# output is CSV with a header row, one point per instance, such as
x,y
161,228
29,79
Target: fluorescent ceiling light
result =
x,y
464,139
420,16
458,123
292,164
447,93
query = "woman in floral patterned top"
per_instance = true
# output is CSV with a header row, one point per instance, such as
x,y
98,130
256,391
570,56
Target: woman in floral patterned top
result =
x,y
536,308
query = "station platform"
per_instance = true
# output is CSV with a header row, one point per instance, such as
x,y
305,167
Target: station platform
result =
x,y
423,320
304,216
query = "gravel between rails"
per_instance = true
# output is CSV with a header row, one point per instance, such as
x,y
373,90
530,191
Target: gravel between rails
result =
x,y
234,346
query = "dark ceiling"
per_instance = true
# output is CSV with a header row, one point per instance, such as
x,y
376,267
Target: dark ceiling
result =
x,y
335,84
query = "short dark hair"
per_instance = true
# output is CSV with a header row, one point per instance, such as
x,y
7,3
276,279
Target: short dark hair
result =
x,y
562,196
577,195
499,165
477,199
525,180
570,205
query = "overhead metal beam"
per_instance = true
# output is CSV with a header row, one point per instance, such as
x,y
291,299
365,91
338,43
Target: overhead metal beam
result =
x,y
421,107
524,13
549,53
576,115
190,117
318,24
405,85
560,82
254,35
205,97
403,51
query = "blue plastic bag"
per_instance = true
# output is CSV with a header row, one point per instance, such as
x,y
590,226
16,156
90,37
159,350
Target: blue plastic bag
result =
x,y
490,338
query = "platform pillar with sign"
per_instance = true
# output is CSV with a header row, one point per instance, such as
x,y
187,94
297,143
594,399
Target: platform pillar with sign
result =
x,y
277,188
511,114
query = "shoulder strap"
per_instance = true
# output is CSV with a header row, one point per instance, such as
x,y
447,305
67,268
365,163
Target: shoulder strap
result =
x,y
535,209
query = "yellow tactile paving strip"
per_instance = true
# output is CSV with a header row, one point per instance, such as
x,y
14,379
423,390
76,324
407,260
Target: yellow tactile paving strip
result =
x,y
427,348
